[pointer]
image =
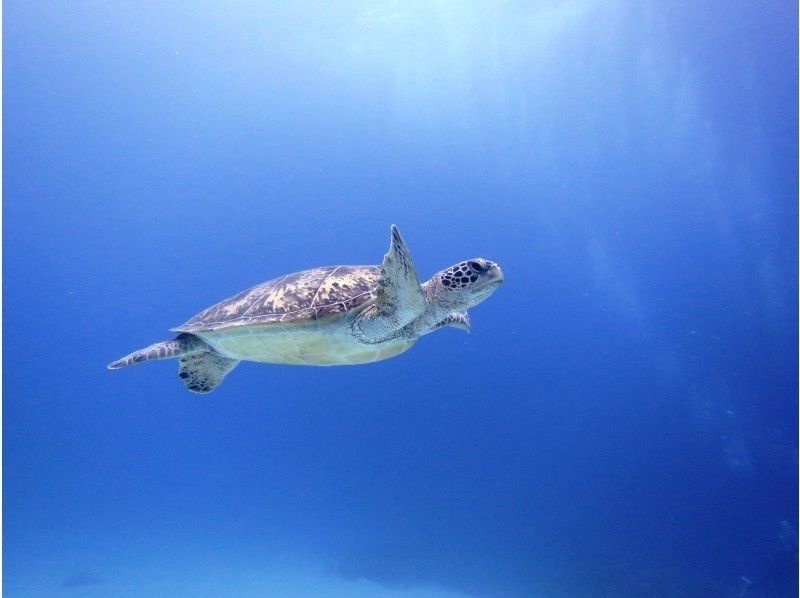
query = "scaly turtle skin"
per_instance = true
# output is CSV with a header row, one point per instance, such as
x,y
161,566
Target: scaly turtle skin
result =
x,y
333,315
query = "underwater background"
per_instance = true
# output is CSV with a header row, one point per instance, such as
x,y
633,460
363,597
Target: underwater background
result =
x,y
622,419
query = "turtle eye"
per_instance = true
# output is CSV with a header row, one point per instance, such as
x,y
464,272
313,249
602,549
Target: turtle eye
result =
x,y
475,266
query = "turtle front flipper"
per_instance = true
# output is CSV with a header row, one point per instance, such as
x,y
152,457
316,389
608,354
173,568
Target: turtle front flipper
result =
x,y
400,299
457,319
202,372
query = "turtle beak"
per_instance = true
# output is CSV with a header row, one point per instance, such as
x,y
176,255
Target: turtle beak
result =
x,y
495,274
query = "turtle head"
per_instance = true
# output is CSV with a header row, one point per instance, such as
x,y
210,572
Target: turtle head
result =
x,y
467,283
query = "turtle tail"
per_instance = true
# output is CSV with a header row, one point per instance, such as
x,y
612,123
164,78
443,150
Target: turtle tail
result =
x,y
183,344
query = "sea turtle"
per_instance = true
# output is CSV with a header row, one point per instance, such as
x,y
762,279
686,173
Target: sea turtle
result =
x,y
332,315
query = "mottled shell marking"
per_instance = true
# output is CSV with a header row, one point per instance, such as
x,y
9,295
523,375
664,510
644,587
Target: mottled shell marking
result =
x,y
309,295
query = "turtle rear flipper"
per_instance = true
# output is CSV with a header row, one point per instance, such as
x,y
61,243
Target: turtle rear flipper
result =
x,y
202,372
183,344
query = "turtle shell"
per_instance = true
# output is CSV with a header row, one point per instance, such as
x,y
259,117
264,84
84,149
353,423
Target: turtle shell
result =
x,y
309,295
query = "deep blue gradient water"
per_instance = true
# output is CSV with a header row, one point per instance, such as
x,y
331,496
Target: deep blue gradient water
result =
x,y
622,420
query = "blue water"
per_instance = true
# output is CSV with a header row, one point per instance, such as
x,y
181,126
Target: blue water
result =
x,y
622,420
